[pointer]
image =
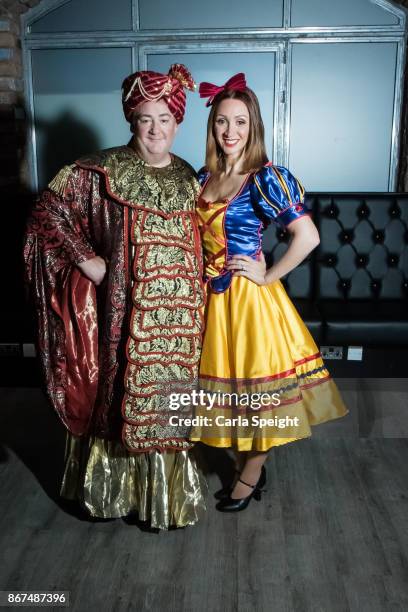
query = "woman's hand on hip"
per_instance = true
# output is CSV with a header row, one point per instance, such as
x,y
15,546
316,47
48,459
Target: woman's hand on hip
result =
x,y
254,270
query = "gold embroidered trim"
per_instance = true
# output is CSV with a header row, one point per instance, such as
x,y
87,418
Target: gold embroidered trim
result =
x,y
164,343
59,182
128,178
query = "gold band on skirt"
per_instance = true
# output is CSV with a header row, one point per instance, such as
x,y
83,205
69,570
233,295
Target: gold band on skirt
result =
x,y
255,344
164,488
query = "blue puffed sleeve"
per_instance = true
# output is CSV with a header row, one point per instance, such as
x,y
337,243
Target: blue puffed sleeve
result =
x,y
202,175
278,195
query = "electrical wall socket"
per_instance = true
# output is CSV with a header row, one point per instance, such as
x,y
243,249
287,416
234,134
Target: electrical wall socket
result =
x,y
29,350
10,349
15,349
331,352
355,353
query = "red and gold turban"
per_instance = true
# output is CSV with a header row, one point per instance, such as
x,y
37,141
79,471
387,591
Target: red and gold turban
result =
x,y
147,85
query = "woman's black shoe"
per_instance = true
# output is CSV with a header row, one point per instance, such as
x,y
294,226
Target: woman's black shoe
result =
x,y
229,504
222,493
225,491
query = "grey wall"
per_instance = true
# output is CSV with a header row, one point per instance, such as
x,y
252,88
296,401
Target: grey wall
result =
x,y
328,76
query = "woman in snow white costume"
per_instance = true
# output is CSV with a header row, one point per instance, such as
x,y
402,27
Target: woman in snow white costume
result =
x,y
256,346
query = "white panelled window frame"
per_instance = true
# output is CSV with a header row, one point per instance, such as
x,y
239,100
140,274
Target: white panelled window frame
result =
x,y
279,40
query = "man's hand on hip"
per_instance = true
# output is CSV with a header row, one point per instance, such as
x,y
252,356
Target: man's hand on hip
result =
x,y
94,269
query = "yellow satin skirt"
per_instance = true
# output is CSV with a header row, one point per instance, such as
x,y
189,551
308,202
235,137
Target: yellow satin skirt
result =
x,y
261,371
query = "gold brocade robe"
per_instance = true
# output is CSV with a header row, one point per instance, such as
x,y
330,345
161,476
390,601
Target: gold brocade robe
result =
x,y
108,352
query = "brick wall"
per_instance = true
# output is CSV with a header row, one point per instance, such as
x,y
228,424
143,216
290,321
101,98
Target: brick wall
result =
x,y
15,314
12,126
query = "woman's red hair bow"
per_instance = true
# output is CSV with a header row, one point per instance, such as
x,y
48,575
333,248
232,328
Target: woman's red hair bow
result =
x,y
208,90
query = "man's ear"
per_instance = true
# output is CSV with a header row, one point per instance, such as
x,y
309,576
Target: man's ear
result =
x,y
133,122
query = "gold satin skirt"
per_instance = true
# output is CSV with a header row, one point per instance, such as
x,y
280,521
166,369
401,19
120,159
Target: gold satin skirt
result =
x,y
256,343
166,489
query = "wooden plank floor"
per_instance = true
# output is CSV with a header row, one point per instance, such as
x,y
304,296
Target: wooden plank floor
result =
x,y
330,534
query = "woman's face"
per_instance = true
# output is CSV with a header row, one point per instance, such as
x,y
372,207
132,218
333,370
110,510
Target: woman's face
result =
x,y
231,127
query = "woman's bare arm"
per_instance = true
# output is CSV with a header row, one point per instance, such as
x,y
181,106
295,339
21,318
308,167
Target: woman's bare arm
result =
x,y
304,238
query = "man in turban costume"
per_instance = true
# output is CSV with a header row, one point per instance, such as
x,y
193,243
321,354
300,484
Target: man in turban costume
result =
x,y
114,262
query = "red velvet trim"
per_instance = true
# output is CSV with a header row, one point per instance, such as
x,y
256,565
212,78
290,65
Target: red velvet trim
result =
x,y
154,384
297,219
254,381
241,381
176,267
130,394
157,448
290,206
169,276
126,243
316,382
155,239
188,272
240,409
156,306
146,385
146,329
306,359
162,362
159,335
148,242
179,301
160,447
229,201
205,225
184,244
142,362
177,304
172,438
162,421
153,412
198,250
210,262
153,336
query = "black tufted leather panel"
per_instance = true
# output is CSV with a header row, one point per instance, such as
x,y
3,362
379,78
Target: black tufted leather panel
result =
x,y
369,323
353,289
299,282
363,251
